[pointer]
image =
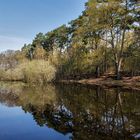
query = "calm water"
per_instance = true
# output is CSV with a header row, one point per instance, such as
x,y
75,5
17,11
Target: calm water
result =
x,y
68,112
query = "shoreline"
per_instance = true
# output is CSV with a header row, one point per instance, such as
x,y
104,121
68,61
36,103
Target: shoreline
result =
x,y
125,83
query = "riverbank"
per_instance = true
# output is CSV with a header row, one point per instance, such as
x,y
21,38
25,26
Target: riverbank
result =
x,y
104,81
125,82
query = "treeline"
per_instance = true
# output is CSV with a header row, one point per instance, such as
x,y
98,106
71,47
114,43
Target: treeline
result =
x,y
105,39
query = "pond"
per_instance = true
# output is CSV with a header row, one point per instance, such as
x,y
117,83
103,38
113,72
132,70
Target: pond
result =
x,y
68,112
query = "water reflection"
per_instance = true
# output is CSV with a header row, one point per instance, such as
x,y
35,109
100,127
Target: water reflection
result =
x,y
86,112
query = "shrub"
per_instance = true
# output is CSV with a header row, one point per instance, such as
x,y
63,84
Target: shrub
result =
x,y
36,71
14,74
2,73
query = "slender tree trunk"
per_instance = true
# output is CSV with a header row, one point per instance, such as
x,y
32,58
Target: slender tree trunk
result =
x,y
97,72
118,69
118,77
105,62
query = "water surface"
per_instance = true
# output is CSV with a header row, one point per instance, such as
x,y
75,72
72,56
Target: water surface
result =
x,y
68,112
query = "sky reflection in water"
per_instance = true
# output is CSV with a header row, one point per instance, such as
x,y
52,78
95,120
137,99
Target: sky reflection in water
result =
x,y
64,112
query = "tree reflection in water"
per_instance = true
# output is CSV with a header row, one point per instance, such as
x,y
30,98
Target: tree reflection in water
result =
x,y
86,112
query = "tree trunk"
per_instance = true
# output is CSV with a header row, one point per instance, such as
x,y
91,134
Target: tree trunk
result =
x,y
97,72
118,69
118,76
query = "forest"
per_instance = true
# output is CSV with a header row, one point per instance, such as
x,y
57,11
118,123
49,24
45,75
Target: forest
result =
x,y
103,41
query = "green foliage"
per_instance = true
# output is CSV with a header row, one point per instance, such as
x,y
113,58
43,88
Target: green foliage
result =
x,y
132,62
105,38
36,71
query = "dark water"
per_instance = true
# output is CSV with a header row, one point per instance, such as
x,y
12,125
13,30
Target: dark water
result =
x,y
68,112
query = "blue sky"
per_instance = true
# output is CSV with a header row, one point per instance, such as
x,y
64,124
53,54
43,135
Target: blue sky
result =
x,y
21,20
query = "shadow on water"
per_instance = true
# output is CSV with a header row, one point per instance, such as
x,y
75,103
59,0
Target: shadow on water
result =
x,y
87,113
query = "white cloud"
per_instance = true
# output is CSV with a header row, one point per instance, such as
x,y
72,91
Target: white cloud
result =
x,y
11,43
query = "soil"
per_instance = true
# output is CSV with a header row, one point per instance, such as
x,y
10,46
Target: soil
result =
x,y
125,82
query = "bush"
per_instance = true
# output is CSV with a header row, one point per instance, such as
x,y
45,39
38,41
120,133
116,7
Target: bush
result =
x,y
36,71
14,74
2,73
